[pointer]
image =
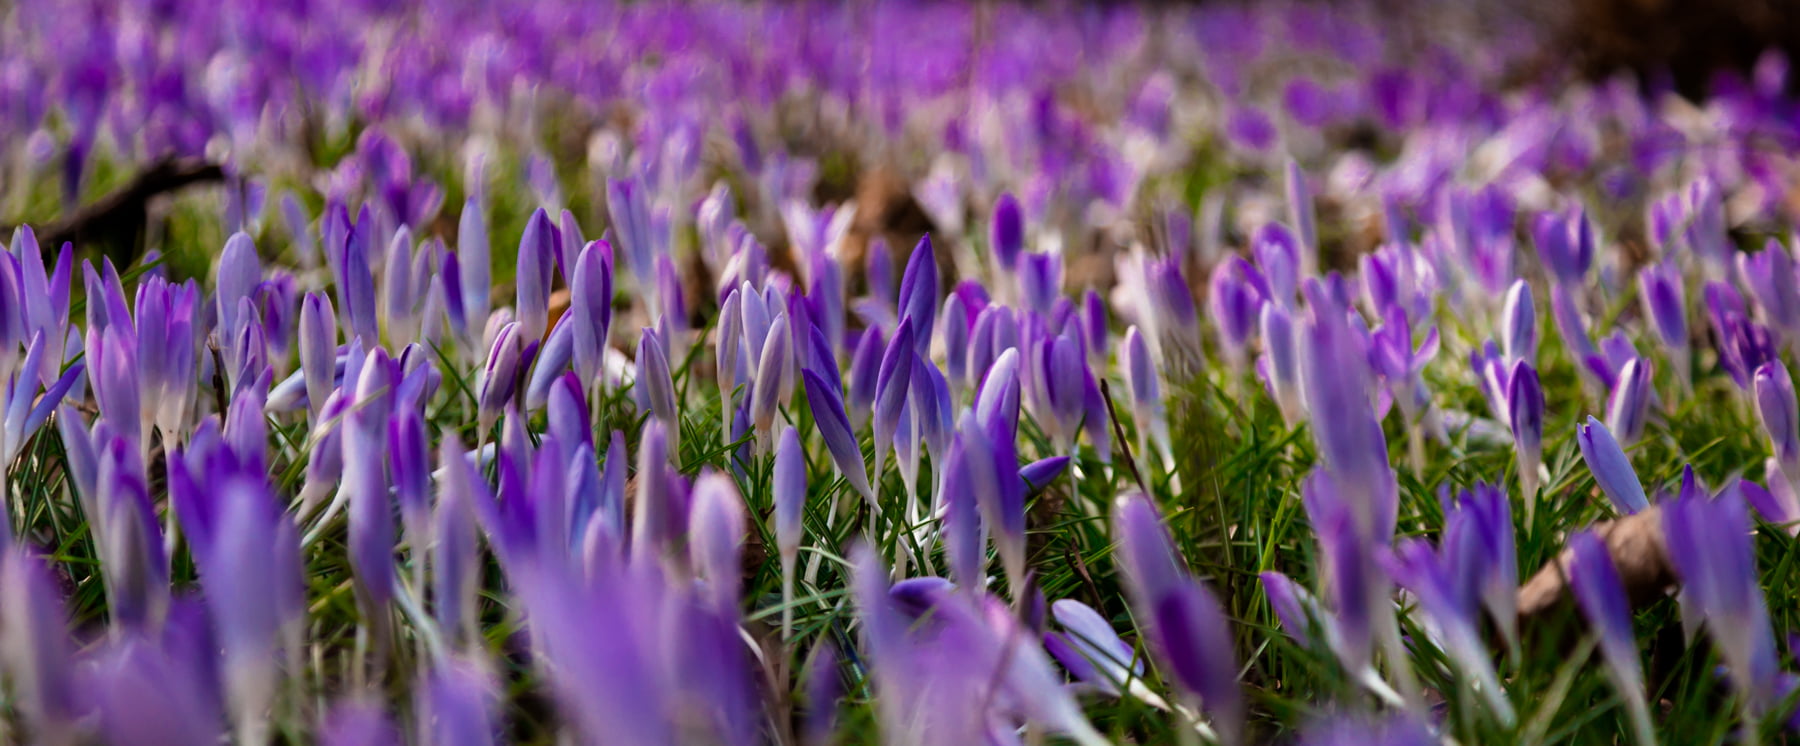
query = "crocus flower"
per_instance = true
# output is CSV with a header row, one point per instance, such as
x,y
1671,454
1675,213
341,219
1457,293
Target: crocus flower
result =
x,y
1007,232
457,705
834,429
919,294
1518,337
1525,417
473,261
499,379
790,506
590,304
37,651
1185,622
1629,405
1040,280
1660,286
926,679
891,383
1235,302
1708,540
824,687
864,375
1770,275
1611,469
1775,404
1300,213
715,539
1565,244
318,350
1450,616
656,378
1597,590
765,394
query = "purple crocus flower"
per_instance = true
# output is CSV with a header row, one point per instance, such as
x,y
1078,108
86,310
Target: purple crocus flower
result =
x,y
457,706
1450,617
1770,275
1007,233
590,306
789,488
765,394
1040,280
474,262
1595,583
715,539
1611,469
499,378
834,429
657,381
1629,405
1565,244
824,687
865,372
919,294
1775,405
1186,623
38,655
1334,379
1708,540
1660,286
1300,213
1525,417
1235,302
356,290
1518,337
1277,254
532,305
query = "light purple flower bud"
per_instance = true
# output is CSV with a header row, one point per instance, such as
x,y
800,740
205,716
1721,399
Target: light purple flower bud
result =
x,y
1277,254
834,429
457,705
37,652
1770,276
356,292
1629,405
1146,553
569,244
239,272
1611,469
955,324
715,539
1525,412
1775,404
1007,232
1040,280
1234,301
1189,628
474,262
654,374
891,383
878,273
1300,209
789,491
1093,326
1334,383
534,272
1660,285
590,304
1518,335
499,378
865,371
919,294
765,394
998,398
1597,590
1708,540
1565,244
